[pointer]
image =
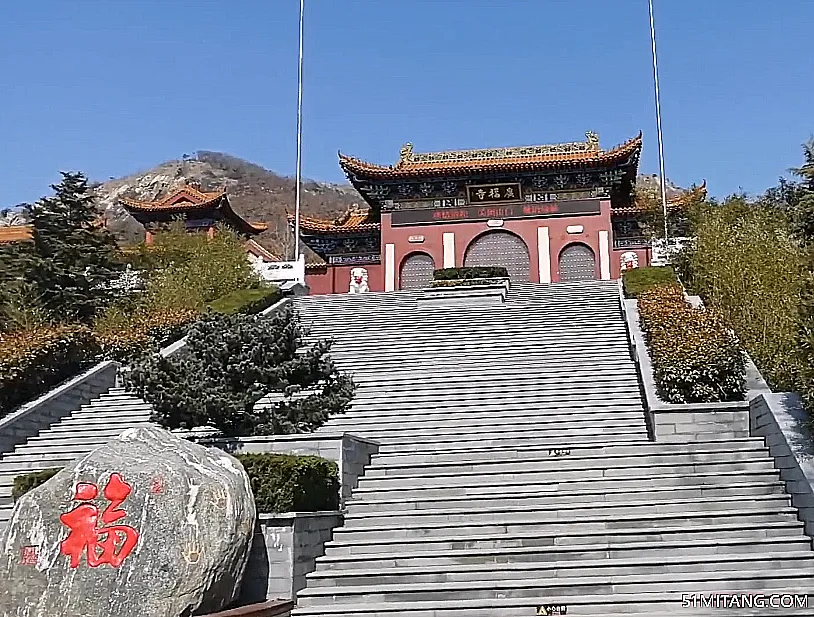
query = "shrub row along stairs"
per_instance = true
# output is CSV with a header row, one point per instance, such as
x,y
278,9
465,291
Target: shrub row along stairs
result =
x,y
86,429
515,471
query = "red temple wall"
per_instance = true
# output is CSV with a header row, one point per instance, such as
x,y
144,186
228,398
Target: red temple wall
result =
x,y
465,233
336,279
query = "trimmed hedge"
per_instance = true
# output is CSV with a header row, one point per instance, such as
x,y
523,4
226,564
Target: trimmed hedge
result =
x,y
291,483
637,280
247,301
696,358
485,272
34,361
280,482
466,282
30,481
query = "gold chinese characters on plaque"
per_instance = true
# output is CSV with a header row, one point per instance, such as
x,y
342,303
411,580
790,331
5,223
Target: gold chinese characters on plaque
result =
x,y
494,193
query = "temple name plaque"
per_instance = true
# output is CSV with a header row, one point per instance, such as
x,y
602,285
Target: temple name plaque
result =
x,y
581,207
494,193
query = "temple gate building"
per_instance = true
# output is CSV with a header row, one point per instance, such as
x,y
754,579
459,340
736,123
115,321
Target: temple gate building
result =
x,y
561,212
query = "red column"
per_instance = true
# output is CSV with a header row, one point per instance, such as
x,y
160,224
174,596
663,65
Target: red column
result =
x,y
210,232
148,237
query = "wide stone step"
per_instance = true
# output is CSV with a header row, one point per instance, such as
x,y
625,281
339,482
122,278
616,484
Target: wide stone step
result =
x,y
447,520
652,604
431,417
72,426
543,391
565,555
579,450
441,368
644,480
489,383
552,588
509,442
731,524
546,569
535,499
536,348
69,439
392,430
513,359
540,398
520,407
482,478
596,464
486,437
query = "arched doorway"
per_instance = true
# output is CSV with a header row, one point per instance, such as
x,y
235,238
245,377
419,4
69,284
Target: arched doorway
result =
x,y
577,263
500,248
416,271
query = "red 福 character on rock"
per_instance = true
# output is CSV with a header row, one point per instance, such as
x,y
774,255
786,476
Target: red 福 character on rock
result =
x,y
105,543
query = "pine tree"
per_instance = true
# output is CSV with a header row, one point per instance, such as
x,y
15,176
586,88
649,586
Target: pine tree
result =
x,y
74,258
230,363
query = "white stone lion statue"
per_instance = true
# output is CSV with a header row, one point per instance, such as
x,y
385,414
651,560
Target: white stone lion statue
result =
x,y
630,261
358,281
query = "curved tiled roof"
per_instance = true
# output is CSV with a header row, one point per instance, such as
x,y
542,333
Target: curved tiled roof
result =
x,y
520,159
190,199
16,233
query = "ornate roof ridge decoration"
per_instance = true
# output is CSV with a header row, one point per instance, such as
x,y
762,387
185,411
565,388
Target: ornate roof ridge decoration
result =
x,y
354,219
513,152
16,233
516,159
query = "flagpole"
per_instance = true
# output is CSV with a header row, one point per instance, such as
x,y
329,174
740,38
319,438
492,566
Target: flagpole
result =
x,y
299,143
663,180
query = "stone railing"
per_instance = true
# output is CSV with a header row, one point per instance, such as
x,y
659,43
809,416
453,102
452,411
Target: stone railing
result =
x,y
777,417
284,551
269,608
53,406
781,420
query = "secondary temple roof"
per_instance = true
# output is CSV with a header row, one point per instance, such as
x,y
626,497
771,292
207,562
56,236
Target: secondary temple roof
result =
x,y
16,233
192,202
495,160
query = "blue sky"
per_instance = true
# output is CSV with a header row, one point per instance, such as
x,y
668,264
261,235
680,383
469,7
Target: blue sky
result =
x,y
110,87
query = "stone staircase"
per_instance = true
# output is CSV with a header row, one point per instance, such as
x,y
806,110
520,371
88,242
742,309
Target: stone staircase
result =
x,y
515,471
84,430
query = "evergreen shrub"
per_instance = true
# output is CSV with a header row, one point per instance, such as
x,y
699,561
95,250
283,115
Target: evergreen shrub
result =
x,y
30,481
638,280
34,361
695,356
480,272
290,483
280,482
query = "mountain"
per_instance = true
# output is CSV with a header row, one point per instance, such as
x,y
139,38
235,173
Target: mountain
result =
x,y
255,193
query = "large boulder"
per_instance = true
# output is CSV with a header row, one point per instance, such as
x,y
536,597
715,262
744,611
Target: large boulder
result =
x,y
149,525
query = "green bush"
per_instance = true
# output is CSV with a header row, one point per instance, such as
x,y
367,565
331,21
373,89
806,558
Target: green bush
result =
x,y
247,301
34,361
637,280
696,358
280,482
289,483
30,481
485,272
